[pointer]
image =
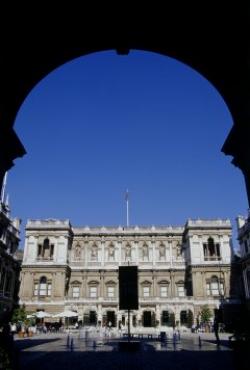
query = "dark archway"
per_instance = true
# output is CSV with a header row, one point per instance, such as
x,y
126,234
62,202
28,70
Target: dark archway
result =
x,y
205,39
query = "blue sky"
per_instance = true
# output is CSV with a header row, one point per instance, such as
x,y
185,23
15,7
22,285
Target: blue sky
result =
x,y
103,123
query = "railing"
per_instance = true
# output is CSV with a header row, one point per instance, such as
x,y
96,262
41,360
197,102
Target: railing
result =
x,y
212,258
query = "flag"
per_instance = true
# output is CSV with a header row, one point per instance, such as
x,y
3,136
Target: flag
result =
x,y
126,195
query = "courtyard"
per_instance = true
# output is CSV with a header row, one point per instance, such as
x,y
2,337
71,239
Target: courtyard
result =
x,y
69,351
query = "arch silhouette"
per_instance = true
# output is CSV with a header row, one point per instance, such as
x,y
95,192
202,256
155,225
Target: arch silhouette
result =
x,y
201,38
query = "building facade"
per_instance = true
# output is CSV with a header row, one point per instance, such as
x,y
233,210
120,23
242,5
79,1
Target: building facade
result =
x,y
10,265
180,269
243,224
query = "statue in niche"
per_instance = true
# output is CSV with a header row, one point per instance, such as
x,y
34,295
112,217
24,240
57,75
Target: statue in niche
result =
x,y
145,251
162,251
77,252
178,250
111,251
128,251
94,252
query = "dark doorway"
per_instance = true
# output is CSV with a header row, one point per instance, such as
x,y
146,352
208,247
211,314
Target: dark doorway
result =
x,y
184,318
165,318
147,319
92,318
111,318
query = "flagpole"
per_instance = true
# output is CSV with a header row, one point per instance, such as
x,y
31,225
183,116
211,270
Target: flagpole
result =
x,y
126,197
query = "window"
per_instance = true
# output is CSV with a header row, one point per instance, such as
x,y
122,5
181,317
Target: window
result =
x,y
111,291
76,292
93,292
146,291
214,287
43,288
45,250
211,250
36,289
164,291
180,290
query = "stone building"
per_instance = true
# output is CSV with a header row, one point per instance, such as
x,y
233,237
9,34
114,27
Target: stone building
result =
x,y
243,224
10,265
180,269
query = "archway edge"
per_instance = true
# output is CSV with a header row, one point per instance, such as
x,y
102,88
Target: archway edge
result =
x,y
219,58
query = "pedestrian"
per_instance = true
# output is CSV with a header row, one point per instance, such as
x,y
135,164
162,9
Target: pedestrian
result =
x,y
216,331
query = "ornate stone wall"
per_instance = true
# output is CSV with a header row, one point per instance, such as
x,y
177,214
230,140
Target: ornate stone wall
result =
x,y
77,268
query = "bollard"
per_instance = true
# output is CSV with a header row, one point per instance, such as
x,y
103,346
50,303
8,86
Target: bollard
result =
x,y
68,341
200,344
72,344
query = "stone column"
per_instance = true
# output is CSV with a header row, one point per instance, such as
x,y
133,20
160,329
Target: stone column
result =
x,y
153,251
102,252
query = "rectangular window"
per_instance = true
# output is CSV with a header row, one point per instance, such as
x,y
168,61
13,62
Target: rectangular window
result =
x,y
146,291
180,290
111,291
39,250
43,289
215,288
76,292
51,250
208,289
49,289
93,292
163,291
36,290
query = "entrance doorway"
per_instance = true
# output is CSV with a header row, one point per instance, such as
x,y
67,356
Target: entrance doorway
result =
x,y
111,318
165,319
147,319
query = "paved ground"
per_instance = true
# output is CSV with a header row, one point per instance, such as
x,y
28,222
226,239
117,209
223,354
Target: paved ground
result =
x,y
60,351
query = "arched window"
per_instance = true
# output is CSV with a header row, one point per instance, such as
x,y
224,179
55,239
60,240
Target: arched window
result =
x,y
45,250
43,288
211,250
215,287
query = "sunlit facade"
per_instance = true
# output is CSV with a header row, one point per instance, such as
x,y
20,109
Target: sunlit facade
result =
x,y
180,269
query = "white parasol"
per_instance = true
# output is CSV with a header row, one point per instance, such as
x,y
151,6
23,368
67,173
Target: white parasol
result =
x,y
66,313
42,314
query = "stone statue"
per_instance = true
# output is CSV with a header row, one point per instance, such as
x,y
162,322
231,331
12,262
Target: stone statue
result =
x,y
77,252
128,251
111,251
145,251
94,252
162,251
178,250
